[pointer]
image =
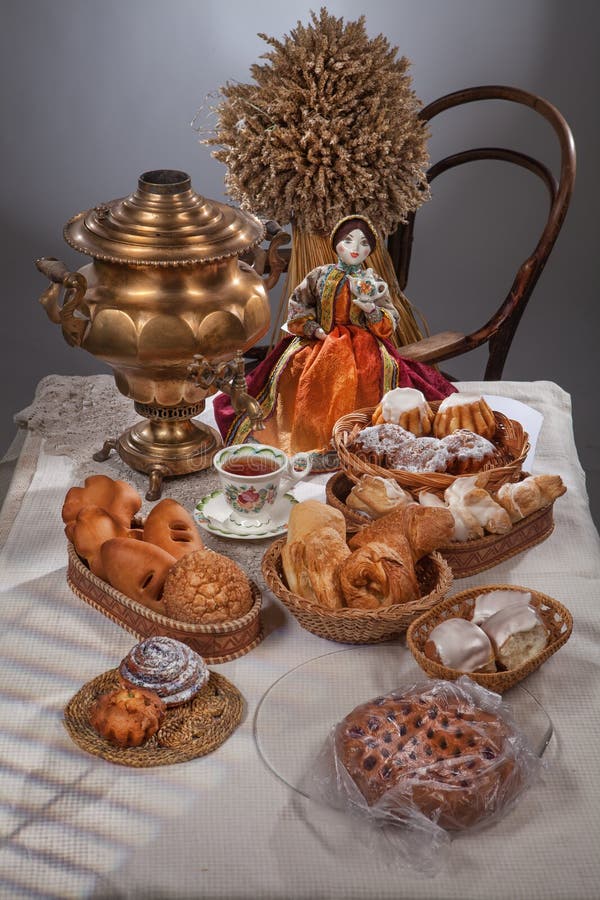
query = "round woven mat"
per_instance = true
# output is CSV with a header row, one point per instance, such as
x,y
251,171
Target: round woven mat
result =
x,y
193,729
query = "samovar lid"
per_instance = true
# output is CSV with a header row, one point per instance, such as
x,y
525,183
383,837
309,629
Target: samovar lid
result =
x,y
163,223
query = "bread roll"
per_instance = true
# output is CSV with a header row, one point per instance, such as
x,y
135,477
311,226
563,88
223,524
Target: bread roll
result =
x,y
423,748
311,567
89,531
460,644
170,527
137,569
127,717
206,588
517,634
378,574
311,515
167,667
116,497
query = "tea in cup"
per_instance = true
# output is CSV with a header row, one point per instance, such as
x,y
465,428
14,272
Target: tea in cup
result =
x,y
253,476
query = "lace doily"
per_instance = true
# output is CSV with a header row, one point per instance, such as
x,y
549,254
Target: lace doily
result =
x,y
76,414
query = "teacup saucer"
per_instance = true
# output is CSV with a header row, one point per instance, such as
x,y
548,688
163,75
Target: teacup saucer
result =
x,y
212,513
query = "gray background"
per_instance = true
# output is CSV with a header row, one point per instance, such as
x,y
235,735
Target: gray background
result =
x,y
94,93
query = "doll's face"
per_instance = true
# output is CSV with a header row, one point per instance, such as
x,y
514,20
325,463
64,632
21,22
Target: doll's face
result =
x,y
354,248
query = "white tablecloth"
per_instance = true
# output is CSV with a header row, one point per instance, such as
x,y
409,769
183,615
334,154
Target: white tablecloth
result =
x,y
224,826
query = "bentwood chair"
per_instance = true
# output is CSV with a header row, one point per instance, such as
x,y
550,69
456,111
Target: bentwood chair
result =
x,y
500,328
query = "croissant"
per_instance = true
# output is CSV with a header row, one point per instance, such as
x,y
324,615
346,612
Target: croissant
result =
x,y
377,496
522,498
378,574
311,567
469,501
425,528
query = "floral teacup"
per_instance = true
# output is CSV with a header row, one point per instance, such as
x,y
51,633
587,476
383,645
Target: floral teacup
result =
x,y
368,286
253,476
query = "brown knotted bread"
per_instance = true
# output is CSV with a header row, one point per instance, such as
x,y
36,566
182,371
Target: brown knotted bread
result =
x,y
426,529
443,756
127,717
170,527
118,498
137,569
89,531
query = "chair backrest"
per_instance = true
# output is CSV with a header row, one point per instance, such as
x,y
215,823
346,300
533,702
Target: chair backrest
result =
x,y
499,331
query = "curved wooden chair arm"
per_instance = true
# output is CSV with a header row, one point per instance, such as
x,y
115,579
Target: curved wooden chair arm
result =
x,y
500,328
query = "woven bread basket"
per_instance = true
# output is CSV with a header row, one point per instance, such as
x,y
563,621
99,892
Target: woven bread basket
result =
x,y
511,441
555,616
465,558
215,643
358,626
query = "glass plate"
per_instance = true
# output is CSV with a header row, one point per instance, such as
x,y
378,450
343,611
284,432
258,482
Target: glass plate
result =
x,y
297,712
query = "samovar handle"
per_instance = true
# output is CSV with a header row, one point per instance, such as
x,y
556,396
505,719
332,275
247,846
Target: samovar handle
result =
x,y
75,286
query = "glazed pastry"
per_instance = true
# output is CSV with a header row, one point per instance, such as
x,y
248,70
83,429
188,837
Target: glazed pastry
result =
x,y
467,452
311,567
464,411
169,668
517,634
488,604
465,498
137,569
377,496
424,454
89,531
206,588
423,748
377,575
116,497
127,717
525,497
460,644
406,407
170,527
466,526
426,529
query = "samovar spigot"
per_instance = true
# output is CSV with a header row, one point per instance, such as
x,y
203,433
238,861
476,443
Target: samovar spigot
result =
x,y
230,378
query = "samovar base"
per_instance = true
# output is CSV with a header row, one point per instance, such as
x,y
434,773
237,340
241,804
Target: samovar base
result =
x,y
164,448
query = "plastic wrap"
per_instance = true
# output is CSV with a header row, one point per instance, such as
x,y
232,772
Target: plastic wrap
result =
x,y
435,758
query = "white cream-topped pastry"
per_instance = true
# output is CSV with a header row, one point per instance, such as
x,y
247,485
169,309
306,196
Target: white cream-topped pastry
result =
x,y
462,645
517,634
406,407
464,411
489,604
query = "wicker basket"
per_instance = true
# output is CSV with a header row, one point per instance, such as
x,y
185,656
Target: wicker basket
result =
x,y
511,441
464,557
555,616
215,643
358,626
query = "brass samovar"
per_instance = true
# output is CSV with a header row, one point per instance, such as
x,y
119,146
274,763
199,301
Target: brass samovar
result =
x,y
165,287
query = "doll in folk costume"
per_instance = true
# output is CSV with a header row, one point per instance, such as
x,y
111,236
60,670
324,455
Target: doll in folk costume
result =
x,y
339,356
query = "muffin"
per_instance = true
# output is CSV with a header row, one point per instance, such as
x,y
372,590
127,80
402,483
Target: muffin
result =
x,y
467,412
406,407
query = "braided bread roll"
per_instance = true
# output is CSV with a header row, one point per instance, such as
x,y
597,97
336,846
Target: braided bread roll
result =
x,y
426,529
